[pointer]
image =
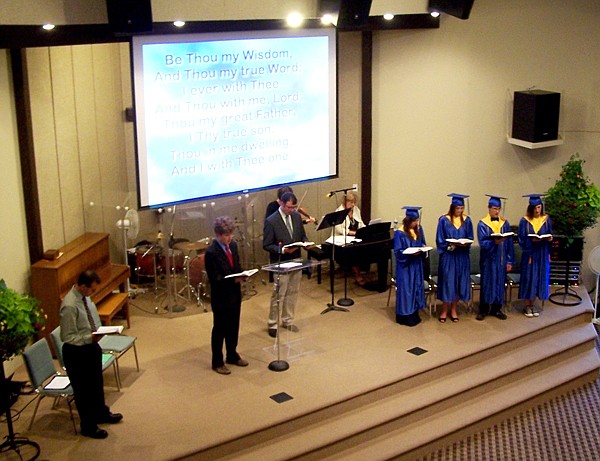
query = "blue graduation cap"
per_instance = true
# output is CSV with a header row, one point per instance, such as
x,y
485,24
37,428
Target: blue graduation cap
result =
x,y
535,199
458,199
495,200
412,211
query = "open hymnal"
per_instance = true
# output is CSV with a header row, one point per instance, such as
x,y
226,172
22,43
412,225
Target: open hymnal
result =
x,y
298,244
460,241
540,236
248,273
109,330
415,250
58,382
500,235
340,240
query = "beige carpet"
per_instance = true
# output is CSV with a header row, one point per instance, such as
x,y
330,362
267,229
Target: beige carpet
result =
x,y
177,404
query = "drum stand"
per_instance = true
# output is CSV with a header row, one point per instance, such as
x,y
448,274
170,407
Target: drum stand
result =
x,y
198,291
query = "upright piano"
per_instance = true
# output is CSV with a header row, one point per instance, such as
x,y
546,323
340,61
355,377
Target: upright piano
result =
x,y
52,280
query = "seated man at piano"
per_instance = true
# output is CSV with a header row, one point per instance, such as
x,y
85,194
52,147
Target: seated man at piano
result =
x,y
83,355
351,224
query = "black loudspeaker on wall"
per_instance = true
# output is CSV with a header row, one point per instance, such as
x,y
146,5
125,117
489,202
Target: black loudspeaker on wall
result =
x,y
129,16
353,14
457,8
535,115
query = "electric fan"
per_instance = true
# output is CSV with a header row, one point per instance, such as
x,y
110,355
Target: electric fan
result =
x,y
594,263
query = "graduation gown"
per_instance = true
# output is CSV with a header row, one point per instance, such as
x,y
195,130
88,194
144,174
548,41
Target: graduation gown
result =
x,y
410,293
535,260
493,259
454,272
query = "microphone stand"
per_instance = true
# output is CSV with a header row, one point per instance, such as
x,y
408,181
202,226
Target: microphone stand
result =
x,y
278,365
345,301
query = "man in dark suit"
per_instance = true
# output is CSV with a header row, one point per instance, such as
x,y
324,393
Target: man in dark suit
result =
x,y
283,227
222,259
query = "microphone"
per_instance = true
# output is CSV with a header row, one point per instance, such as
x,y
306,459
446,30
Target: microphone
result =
x,y
330,194
279,244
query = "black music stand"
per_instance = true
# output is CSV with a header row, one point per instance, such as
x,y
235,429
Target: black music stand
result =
x,y
330,221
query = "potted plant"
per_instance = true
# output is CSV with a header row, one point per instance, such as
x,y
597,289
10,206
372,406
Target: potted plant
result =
x,y
21,318
573,202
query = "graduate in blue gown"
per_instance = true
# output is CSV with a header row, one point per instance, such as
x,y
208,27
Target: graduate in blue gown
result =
x,y
454,278
496,259
410,293
535,260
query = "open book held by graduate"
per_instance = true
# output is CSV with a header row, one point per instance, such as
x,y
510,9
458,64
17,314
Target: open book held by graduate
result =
x,y
460,241
499,235
298,244
540,237
248,273
415,250
109,330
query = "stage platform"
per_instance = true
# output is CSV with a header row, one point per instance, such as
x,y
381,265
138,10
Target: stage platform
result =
x,y
359,385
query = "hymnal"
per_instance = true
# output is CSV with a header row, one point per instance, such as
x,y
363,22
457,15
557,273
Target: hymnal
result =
x,y
109,330
298,244
540,237
248,273
460,241
500,235
415,250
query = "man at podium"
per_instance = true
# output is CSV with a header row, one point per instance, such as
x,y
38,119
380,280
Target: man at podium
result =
x,y
283,227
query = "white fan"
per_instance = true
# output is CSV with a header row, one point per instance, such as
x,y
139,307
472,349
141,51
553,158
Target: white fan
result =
x,y
130,225
594,263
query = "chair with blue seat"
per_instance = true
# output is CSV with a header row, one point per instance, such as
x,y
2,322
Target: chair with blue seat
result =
x,y
117,345
475,272
513,278
108,360
432,279
43,376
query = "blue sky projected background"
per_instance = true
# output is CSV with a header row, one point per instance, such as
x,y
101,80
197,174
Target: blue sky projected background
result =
x,y
229,113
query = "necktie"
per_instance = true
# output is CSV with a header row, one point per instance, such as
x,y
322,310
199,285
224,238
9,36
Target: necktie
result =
x,y
288,223
89,315
229,255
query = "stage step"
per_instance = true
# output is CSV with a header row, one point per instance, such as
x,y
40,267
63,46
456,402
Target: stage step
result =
x,y
416,415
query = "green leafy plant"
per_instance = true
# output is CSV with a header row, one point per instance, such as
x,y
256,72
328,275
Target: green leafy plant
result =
x,y
20,319
573,202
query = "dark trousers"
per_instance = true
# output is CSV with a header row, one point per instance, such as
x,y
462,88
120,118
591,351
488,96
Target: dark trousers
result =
x,y
84,367
485,309
226,326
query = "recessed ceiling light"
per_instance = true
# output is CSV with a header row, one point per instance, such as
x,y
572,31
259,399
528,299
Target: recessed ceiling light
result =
x,y
295,19
48,26
179,23
327,19
388,16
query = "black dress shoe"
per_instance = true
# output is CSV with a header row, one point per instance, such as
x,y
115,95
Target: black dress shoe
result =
x,y
273,332
96,433
500,315
111,418
480,316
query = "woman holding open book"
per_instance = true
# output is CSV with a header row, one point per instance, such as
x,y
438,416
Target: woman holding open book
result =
x,y
535,235
453,238
410,251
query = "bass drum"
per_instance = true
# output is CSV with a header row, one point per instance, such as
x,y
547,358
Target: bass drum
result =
x,y
198,277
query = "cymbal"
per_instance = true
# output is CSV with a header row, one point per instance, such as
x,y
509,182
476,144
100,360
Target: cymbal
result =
x,y
190,246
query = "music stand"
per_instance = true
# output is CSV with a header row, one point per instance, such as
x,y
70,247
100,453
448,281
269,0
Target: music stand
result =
x,y
331,220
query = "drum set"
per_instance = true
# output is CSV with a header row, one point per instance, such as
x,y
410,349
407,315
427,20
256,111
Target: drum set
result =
x,y
182,267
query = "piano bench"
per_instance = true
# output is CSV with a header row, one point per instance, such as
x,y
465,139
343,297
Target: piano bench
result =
x,y
112,304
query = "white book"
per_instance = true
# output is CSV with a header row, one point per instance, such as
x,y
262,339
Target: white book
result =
x,y
248,273
415,250
298,244
460,241
340,240
58,383
542,236
109,330
502,234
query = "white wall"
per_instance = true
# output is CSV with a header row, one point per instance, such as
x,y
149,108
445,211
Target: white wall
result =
x,y
442,104
14,262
